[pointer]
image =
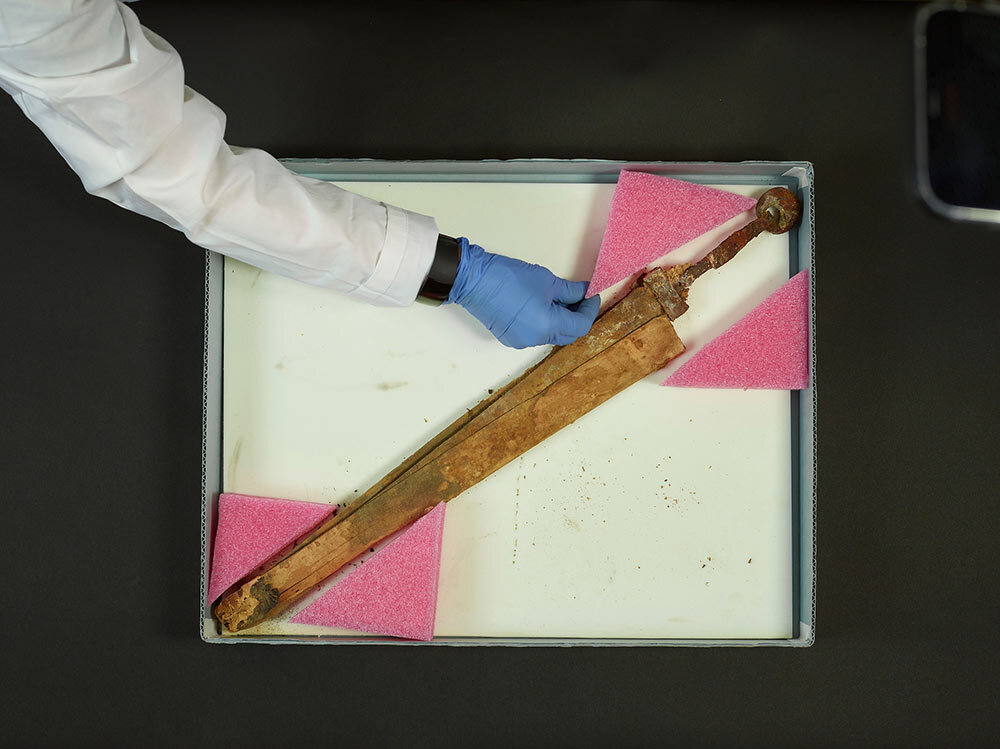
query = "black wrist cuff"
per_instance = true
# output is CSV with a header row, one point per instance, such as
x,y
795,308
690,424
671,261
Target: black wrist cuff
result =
x,y
443,271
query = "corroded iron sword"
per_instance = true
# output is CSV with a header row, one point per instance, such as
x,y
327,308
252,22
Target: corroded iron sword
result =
x,y
631,340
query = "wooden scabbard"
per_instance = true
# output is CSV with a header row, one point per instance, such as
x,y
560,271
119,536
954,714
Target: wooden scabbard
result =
x,y
631,340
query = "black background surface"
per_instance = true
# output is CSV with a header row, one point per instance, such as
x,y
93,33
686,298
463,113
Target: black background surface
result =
x,y
100,395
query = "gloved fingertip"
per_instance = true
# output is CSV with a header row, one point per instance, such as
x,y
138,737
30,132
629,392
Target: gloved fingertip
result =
x,y
571,323
588,307
569,292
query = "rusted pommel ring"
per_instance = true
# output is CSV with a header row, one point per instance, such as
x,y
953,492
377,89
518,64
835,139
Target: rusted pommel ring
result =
x,y
779,209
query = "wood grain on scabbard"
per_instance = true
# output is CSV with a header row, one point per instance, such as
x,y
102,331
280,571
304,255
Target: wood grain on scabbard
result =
x,y
456,467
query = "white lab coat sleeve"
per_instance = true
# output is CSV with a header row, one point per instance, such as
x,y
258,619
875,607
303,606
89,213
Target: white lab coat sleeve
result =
x,y
110,95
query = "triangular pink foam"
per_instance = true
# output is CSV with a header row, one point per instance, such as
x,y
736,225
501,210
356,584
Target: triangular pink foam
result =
x,y
394,592
253,529
651,216
768,349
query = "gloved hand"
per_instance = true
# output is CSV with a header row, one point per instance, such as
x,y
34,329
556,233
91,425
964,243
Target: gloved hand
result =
x,y
521,304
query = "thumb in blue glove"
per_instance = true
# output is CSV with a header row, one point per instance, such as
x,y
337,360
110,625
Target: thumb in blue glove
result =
x,y
520,303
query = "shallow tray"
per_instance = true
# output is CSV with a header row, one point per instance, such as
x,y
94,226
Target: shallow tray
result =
x,y
664,517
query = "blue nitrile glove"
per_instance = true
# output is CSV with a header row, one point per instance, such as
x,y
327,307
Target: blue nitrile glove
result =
x,y
521,304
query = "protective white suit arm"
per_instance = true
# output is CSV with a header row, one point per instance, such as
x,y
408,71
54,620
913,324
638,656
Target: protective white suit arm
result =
x,y
110,95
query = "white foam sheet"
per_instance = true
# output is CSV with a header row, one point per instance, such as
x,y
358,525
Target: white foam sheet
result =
x,y
664,513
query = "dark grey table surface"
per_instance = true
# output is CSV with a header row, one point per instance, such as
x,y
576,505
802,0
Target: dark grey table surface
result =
x,y
100,389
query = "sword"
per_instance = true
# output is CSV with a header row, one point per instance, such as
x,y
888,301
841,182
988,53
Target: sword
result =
x,y
629,341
